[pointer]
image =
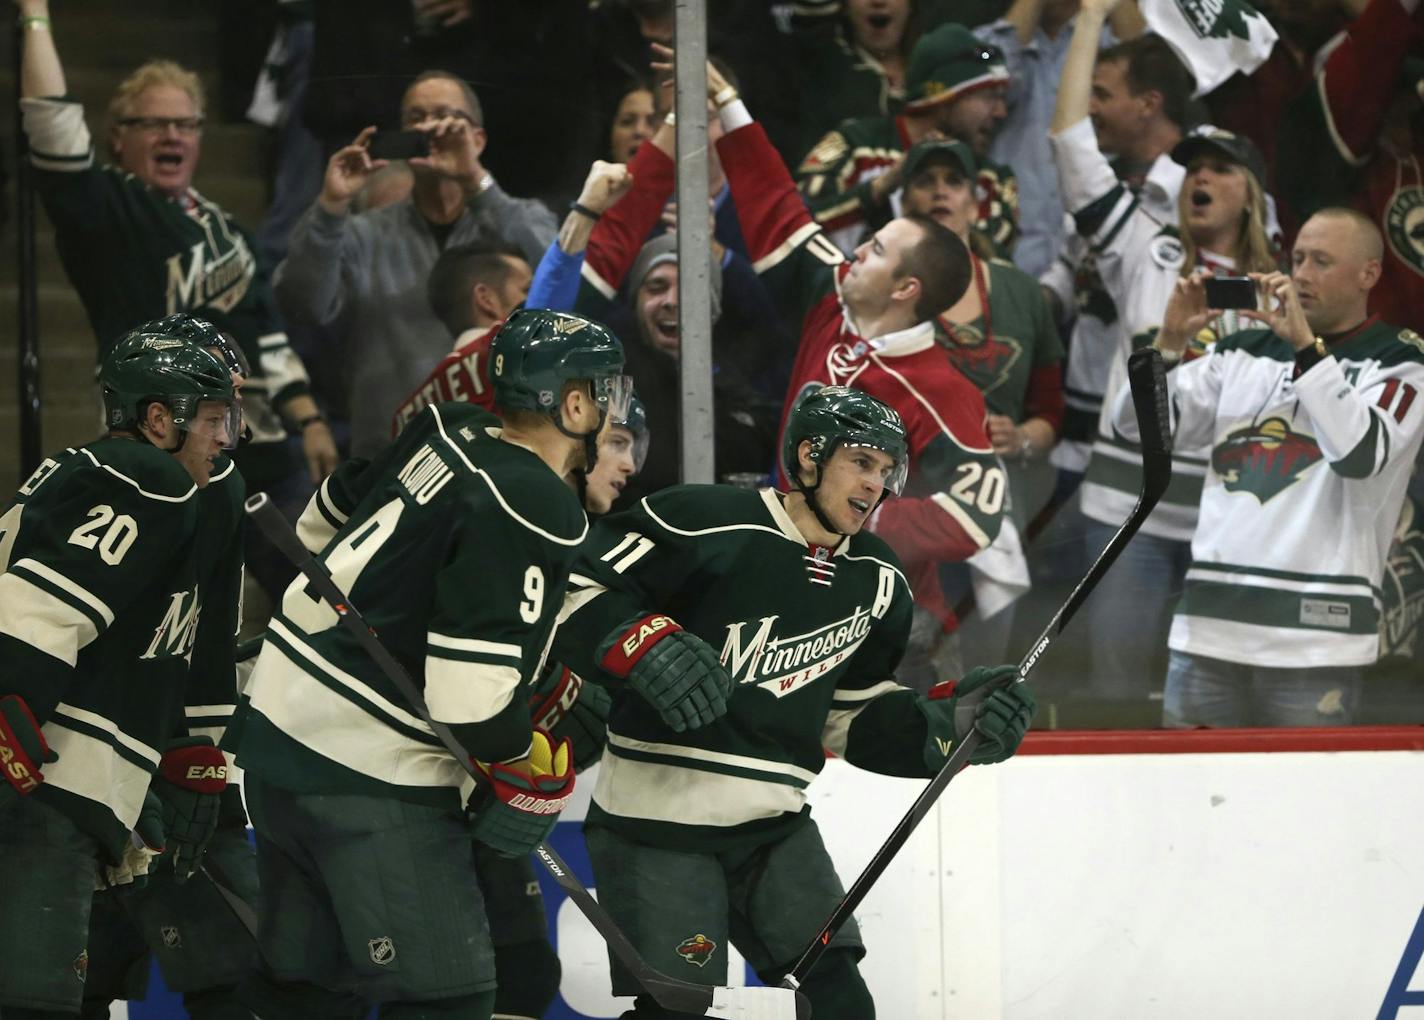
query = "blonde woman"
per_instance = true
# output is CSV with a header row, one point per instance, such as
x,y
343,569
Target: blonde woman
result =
x,y
1201,207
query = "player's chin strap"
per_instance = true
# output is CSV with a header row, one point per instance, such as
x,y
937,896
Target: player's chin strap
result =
x,y
809,491
590,439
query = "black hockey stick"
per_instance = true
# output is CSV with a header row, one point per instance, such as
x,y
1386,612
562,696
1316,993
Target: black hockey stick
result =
x,y
670,993
1148,381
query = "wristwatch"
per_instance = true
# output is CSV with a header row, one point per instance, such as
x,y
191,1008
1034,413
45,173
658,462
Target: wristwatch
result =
x,y
1308,357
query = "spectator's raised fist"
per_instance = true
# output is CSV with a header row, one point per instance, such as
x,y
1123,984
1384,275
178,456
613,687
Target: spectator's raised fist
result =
x,y
606,183
347,171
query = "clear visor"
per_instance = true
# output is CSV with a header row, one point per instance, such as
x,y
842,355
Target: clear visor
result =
x,y
218,420
894,478
614,393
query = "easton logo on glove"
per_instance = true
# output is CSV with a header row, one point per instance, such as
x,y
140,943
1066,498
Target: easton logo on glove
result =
x,y
22,745
636,641
200,768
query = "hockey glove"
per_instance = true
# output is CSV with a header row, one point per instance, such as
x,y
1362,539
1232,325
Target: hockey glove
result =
x,y
574,708
23,750
676,671
985,699
145,843
514,812
191,778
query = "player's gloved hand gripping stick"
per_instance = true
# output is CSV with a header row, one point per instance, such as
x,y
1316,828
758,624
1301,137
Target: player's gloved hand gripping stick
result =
x,y
1147,380
669,993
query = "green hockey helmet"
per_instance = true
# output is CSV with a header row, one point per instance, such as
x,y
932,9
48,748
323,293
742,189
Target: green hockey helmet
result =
x,y
537,351
163,366
835,416
204,334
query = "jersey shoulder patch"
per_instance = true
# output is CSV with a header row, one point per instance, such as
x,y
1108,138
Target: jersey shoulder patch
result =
x,y
1166,249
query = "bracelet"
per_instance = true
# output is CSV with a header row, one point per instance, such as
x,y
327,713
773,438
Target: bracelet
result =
x,y
671,119
34,21
310,419
585,211
726,94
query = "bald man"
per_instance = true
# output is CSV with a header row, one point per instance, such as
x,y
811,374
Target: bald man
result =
x,y
1314,421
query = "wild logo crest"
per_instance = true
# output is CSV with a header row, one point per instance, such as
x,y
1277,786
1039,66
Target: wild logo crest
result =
x,y
697,950
1404,226
1264,459
176,632
987,361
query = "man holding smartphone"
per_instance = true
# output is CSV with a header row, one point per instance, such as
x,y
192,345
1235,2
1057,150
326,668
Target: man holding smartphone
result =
x,y
1313,423
363,275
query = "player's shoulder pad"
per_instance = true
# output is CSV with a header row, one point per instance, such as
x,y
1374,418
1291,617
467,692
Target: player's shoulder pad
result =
x,y
865,545
141,469
693,510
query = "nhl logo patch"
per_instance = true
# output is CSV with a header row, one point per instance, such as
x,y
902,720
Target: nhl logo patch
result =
x,y
697,950
172,938
383,950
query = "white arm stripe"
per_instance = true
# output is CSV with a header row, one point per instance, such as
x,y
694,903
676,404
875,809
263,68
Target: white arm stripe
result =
x,y
59,138
91,768
79,597
962,518
474,646
467,692
779,254
597,282
43,621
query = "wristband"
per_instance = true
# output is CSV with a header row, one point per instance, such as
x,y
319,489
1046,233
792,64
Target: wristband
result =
x,y
34,21
671,119
584,210
310,419
726,94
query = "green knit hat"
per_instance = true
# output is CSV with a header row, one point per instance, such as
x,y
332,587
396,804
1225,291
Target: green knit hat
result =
x,y
949,62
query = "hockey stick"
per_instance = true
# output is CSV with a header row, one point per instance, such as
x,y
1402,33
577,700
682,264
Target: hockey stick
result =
x,y
1147,379
670,993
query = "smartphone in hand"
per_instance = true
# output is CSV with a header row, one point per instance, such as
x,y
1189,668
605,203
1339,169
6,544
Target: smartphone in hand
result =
x,y
1230,292
398,144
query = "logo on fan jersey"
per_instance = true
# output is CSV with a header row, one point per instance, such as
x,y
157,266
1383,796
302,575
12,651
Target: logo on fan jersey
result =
x,y
697,950
1404,226
214,273
1263,459
986,363
755,652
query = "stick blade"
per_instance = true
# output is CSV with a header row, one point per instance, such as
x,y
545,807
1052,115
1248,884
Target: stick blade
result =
x,y
1147,379
759,1004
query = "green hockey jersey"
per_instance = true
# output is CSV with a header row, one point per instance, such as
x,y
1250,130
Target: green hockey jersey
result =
x,y
99,610
810,637
211,693
456,547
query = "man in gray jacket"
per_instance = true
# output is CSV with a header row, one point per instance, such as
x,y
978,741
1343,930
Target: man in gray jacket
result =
x,y
364,275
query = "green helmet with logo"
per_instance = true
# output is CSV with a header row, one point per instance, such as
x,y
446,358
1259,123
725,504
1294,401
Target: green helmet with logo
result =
x,y
835,416
204,334
537,351
150,364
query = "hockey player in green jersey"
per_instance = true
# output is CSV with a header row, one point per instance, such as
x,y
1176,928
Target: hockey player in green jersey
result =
x,y
100,603
697,837
456,542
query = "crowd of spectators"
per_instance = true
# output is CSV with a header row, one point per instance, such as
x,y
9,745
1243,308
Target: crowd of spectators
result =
x,y
974,209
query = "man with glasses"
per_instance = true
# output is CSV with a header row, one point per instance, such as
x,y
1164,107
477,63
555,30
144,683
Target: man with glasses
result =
x,y
138,242
363,275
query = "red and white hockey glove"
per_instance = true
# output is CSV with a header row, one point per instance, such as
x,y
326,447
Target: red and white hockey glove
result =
x,y
191,778
675,670
516,810
23,750
566,705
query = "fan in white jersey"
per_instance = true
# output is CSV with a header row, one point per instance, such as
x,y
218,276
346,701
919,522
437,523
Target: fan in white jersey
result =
x,y
1312,425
